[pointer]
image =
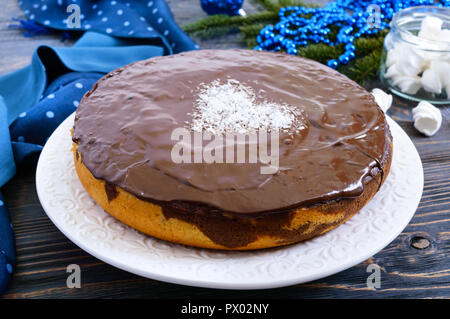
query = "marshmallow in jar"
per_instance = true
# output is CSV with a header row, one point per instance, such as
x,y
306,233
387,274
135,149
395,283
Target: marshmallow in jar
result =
x,y
416,59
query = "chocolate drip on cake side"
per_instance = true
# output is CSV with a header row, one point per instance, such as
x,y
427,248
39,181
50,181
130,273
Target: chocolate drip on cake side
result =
x,y
124,124
111,191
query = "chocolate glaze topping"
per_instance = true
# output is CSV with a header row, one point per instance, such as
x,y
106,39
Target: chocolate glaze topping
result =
x,y
123,130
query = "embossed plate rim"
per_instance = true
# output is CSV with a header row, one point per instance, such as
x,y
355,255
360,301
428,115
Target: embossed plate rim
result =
x,y
156,259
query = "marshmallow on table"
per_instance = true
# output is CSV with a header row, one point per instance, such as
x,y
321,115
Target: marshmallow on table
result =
x,y
427,118
383,99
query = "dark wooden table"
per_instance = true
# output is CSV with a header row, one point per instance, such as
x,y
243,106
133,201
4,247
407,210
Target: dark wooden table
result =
x,y
415,265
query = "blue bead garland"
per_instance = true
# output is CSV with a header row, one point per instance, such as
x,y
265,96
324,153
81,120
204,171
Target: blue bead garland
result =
x,y
300,26
228,7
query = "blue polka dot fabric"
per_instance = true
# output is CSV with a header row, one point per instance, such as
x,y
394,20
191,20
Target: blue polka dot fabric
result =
x,y
31,129
37,98
130,19
7,254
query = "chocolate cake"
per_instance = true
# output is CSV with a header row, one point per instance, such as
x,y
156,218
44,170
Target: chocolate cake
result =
x,y
334,152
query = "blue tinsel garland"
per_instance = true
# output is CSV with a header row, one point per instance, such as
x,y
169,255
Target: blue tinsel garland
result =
x,y
300,26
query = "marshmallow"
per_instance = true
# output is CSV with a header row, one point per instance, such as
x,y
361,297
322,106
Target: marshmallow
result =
x,y
429,57
431,81
404,71
407,84
383,99
411,61
427,118
392,57
430,28
445,35
442,68
392,72
436,77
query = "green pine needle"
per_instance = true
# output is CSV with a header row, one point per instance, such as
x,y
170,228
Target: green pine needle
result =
x,y
275,5
251,30
321,52
368,49
234,22
365,67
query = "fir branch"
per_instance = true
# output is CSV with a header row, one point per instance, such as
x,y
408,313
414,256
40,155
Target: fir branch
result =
x,y
275,5
270,5
321,52
234,22
251,42
261,17
251,30
368,45
368,49
297,3
218,31
213,21
365,67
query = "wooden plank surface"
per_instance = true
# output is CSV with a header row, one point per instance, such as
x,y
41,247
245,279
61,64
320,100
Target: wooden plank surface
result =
x,y
414,265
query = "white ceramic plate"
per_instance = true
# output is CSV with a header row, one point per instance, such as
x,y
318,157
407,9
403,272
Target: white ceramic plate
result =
x,y
76,214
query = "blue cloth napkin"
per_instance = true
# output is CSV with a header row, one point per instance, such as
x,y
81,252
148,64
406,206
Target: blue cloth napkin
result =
x,y
7,254
135,19
36,99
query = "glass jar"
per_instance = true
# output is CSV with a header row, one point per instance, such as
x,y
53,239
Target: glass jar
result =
x,y
415,62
